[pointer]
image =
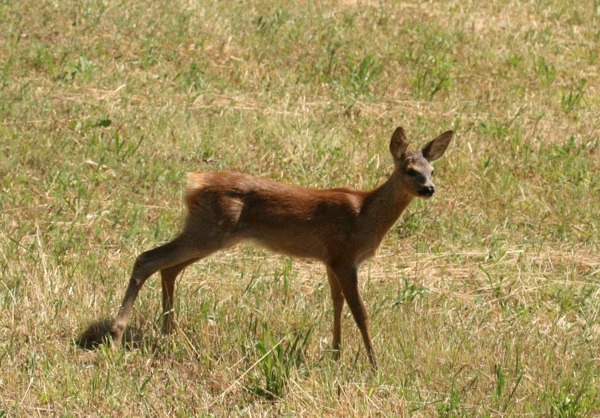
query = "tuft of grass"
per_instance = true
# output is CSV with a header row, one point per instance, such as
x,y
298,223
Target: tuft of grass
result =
x,y
277,363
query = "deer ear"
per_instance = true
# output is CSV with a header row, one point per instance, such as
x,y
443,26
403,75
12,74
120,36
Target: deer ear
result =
x,y
436,148
399,143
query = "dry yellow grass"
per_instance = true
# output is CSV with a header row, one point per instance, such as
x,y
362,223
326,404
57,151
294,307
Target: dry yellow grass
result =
x,y
484,300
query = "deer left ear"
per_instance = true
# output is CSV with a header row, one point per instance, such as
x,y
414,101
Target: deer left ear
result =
x,y
399,143
436,148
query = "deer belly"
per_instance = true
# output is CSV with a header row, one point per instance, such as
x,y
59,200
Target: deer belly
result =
x,y
292,244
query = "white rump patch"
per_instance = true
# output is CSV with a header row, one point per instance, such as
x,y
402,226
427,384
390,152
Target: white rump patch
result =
x,y
196,180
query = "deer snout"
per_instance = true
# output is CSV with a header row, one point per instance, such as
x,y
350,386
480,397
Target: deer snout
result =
x,y
427,191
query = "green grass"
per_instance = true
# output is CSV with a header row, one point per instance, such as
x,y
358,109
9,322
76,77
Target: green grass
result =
x,y
484,300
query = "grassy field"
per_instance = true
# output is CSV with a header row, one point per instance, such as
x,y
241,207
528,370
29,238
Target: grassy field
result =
x,y
484,301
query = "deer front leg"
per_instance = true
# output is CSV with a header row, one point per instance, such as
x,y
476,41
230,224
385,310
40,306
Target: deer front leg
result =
x,y
348,280
338,304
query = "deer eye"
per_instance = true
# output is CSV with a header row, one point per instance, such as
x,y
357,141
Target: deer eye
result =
x,y
411,172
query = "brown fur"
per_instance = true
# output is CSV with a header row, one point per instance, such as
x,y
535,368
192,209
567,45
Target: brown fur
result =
x,y
339,227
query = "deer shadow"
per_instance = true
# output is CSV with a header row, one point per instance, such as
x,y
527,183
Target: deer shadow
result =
x,y
97,334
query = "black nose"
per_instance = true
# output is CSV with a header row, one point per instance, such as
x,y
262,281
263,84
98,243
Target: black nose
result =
x,y
427,191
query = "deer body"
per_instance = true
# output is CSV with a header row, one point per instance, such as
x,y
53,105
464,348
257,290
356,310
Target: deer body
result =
x,y
339,227
292,220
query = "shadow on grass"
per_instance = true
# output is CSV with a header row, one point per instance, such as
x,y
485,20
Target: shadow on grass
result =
x,y
98,333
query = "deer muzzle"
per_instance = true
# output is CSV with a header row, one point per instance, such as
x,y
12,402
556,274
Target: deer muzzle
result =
x,y
427,191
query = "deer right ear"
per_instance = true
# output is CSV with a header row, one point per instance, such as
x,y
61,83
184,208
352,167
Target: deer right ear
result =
x,y
399,143
436,148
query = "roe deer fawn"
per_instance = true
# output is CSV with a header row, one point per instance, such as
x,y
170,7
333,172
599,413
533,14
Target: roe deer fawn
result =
x,y
340,227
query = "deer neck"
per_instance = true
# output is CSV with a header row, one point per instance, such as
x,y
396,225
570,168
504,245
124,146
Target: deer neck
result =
x,y
384,205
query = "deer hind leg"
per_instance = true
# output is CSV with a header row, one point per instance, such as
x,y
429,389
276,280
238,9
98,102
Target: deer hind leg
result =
x,y
348,280
174,253
338,304
168,277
